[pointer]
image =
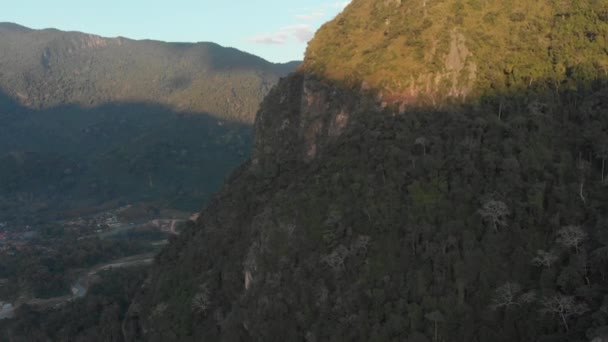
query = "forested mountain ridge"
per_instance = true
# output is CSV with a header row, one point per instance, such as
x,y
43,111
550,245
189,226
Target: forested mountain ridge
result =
x,y
469,209
47,68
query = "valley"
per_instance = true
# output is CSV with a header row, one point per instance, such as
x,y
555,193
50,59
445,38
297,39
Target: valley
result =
x,y
50,277
78,289
107,148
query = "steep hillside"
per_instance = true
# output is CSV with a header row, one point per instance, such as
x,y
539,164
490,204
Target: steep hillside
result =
x,y
436,183
46,68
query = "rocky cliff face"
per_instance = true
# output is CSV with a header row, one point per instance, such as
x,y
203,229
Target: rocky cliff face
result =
x,y
299,120
300,117
363,218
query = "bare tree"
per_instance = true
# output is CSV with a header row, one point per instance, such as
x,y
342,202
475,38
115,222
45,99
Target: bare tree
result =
x,y
582,167
496,212
202,300
601,152
537,108
423,142
505,296
528,297
500,111
436,317
544,258
603,155
571,237
563,306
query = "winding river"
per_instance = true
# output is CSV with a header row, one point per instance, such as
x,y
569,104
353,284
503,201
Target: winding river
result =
x,y
80,287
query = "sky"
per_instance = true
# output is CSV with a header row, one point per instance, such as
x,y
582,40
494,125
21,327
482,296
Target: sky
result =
x,y
276,30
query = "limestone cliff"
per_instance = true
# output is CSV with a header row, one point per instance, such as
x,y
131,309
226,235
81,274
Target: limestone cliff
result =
x,y
370,212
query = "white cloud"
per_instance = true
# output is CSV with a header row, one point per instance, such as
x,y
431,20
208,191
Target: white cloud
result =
x,y
302,33
339,4
320,12
269,39
312,16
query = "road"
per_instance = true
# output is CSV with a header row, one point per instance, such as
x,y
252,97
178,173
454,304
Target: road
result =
x,y
80,287
6,311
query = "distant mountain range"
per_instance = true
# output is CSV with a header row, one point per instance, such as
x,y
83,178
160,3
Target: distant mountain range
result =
x,y
46,68
86,119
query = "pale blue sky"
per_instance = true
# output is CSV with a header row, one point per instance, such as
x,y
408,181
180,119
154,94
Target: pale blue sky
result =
x,y
273,29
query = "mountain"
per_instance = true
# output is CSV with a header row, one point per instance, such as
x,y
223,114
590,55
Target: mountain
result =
x,y
47,68
86,119
430,51
434,171
407,188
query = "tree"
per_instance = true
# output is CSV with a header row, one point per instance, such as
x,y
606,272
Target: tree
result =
x,y
528,297
436,317
496,212
571,237
564,306
582,167
423,142
544,258
602,153
505,296
202,300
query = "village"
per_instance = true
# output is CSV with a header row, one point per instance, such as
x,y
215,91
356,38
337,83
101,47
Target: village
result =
x,y
12,240
17,236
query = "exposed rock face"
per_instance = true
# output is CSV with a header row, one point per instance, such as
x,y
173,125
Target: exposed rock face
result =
x,y
299,118
298,121
457,65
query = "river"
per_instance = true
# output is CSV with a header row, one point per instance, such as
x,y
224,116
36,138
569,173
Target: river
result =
x,y
81,286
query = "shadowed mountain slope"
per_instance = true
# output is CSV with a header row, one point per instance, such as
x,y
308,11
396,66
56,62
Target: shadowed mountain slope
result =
x,y
67,157
432,173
